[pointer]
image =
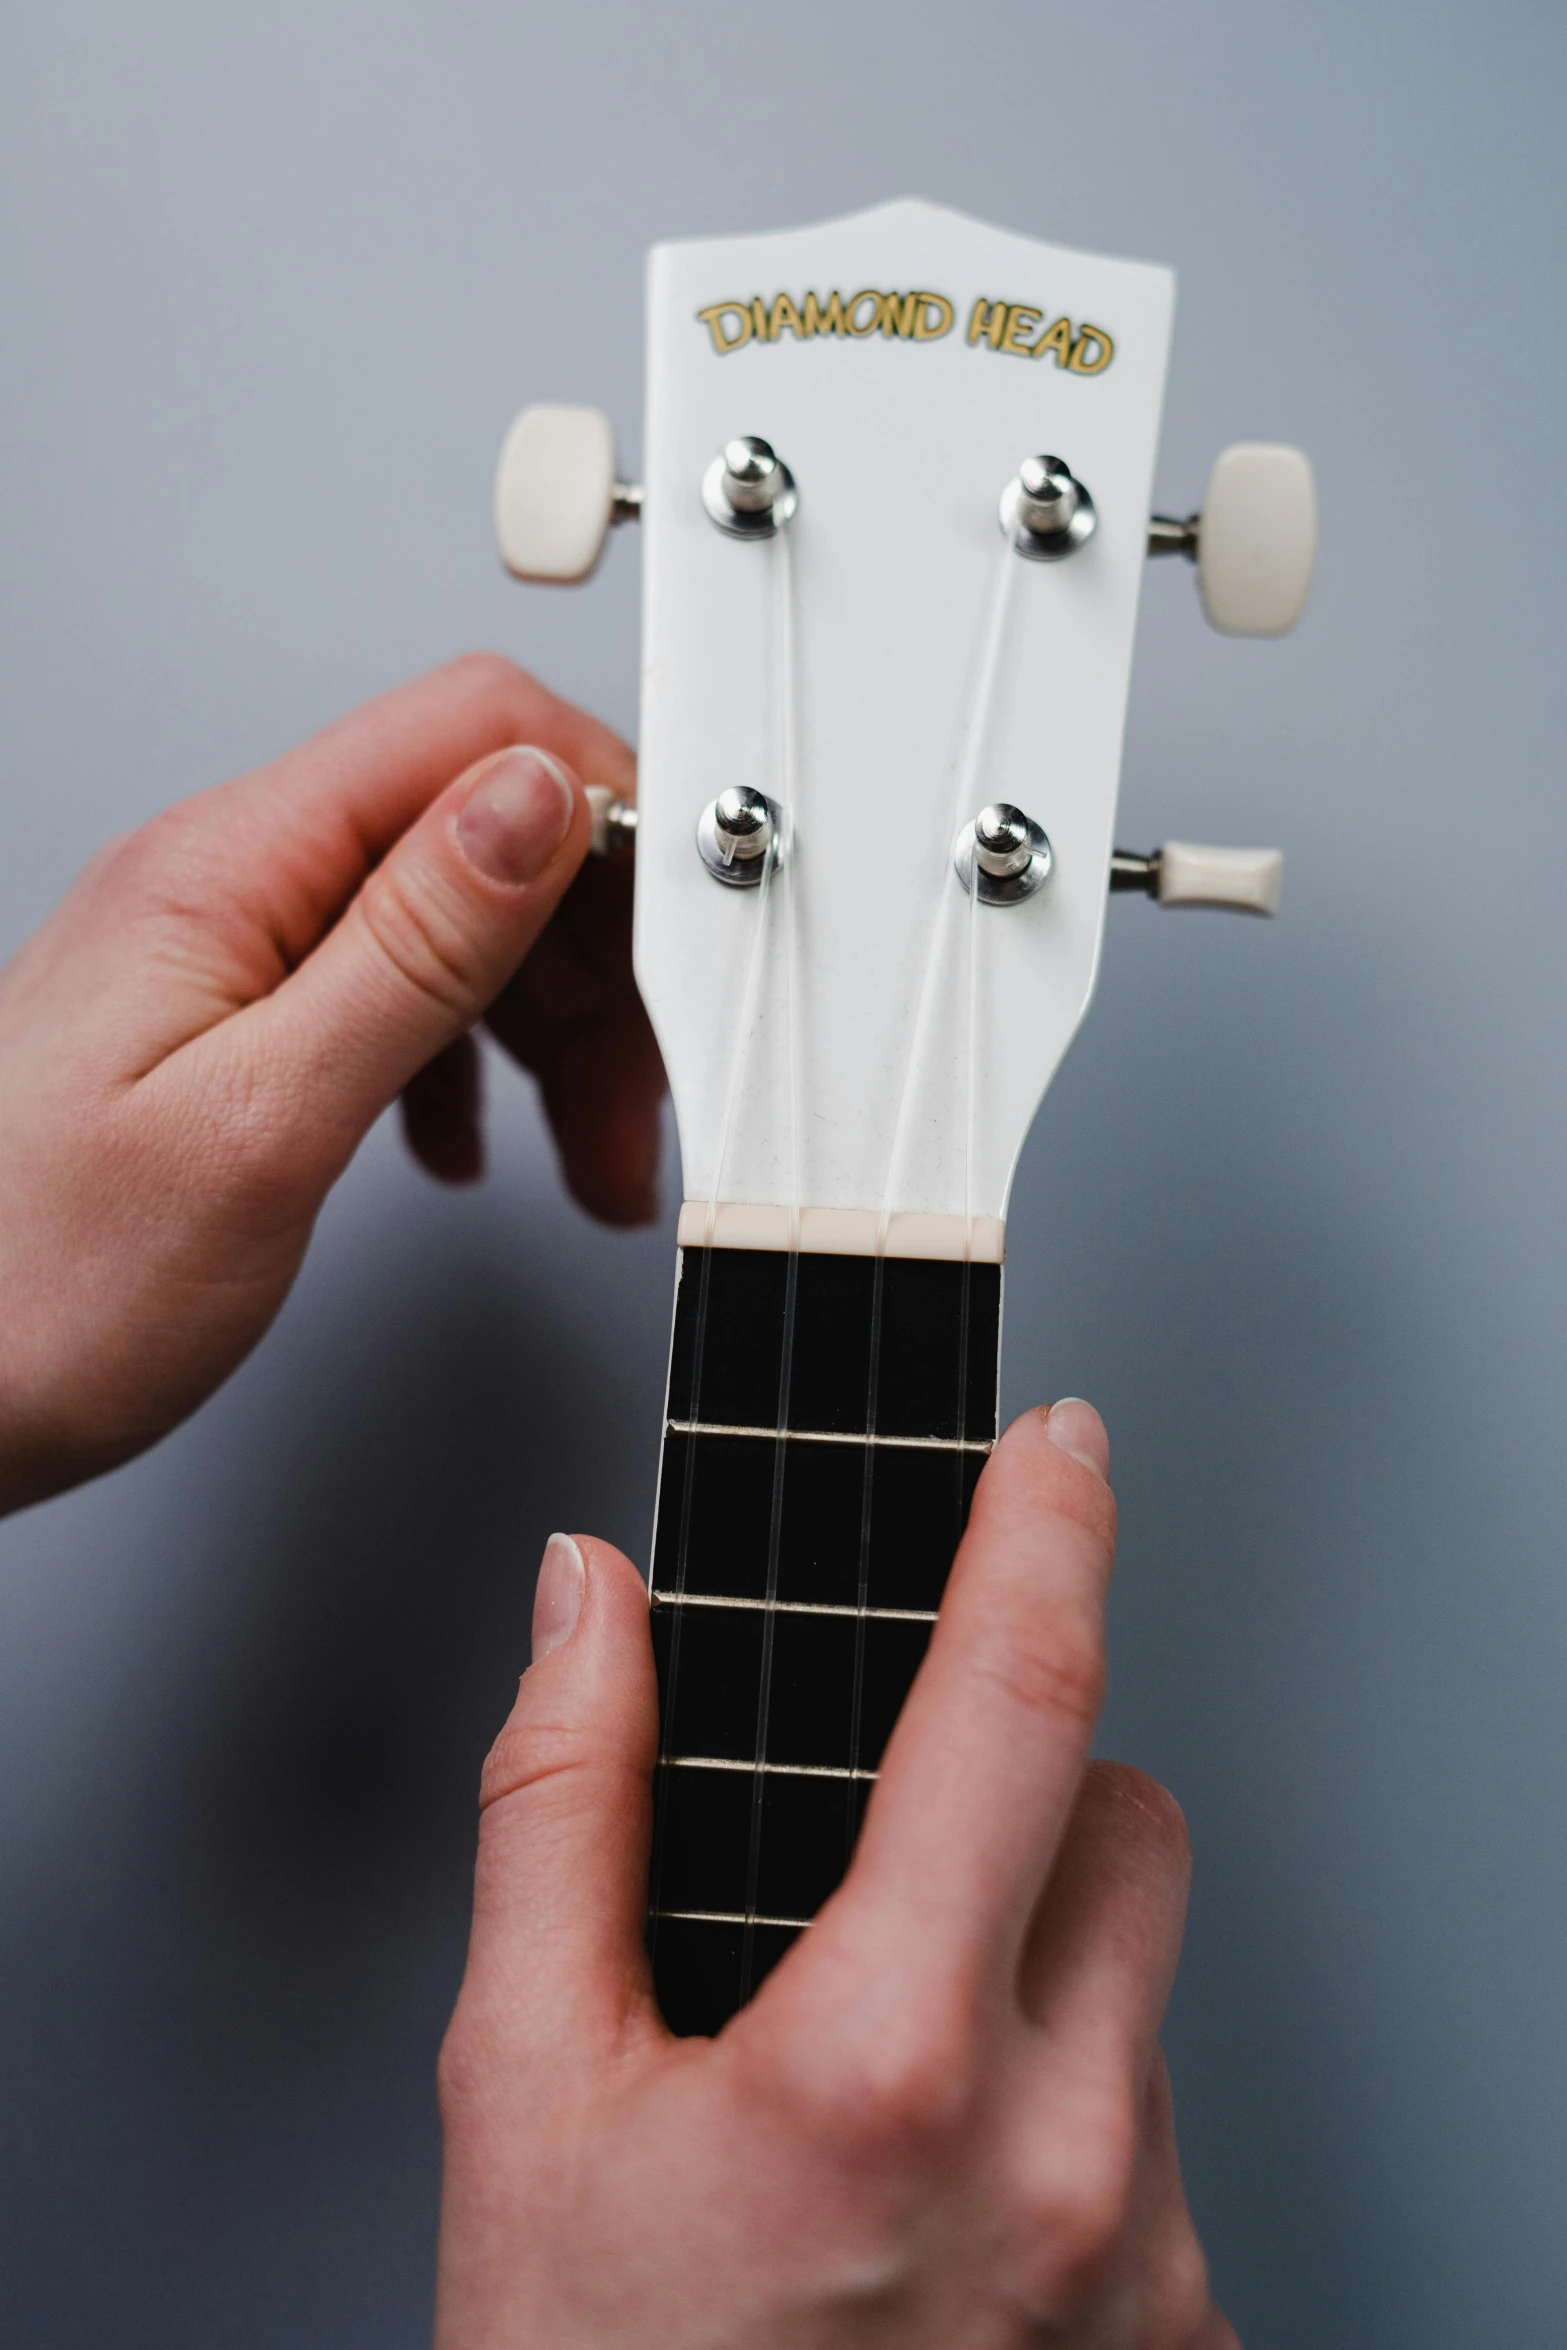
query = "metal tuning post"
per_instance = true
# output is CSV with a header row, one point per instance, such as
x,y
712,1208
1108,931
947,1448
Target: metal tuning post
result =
x,y
737,835
1045,510
557,492
748,490
1255,541
1003,856
1245,881
614,822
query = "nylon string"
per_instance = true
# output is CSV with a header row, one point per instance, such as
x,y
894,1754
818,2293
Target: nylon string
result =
x,y
776,881
966,805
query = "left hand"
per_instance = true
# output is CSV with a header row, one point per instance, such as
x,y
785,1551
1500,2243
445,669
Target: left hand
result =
x,y
192,1047
943,2122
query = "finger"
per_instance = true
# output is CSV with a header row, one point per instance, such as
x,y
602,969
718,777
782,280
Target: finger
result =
x,y
560,1892
442,1106
1102,1950
428,941
604,1098
227,893
308,828
573,1017
984,1765
1156,2286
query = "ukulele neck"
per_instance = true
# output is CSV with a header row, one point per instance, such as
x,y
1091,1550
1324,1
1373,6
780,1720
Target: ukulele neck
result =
x,y
827,1420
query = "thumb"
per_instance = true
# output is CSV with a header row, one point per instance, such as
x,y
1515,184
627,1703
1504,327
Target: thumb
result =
x,y
566,1812
426,944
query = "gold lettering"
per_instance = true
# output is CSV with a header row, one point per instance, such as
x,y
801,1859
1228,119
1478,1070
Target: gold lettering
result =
x,y
932,316
713,319
987,321
784,315
1058,340
1020,320
1079,362
919,317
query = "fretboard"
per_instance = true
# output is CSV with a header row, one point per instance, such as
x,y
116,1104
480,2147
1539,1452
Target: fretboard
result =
x,y
828,1417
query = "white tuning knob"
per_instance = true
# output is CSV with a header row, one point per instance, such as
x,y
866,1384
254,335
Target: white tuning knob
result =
x,y
1255,541
1257,538
556,493
1249,880
1183,874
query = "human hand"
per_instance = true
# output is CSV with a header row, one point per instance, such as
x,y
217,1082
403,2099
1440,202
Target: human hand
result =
x,y
944,2122
194,1044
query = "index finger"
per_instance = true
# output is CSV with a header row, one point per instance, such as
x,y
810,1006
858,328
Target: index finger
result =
x,y
982,1770
315,822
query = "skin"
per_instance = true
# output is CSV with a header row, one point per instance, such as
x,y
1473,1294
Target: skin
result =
x,y
945,2119
944,2122
194,1045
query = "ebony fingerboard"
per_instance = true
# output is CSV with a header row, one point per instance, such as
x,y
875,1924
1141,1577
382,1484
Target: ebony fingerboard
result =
x,y
828,1419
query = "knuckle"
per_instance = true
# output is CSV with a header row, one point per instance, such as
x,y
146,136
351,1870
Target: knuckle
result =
x,y
528,1755
1069,2215
1178,2291
419,941
492,680
165,868
890,2087
1046,1661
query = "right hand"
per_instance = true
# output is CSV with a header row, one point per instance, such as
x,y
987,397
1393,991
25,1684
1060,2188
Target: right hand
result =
x,y
944,2122
193,1045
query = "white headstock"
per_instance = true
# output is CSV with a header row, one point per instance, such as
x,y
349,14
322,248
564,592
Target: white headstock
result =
x,y
858,1042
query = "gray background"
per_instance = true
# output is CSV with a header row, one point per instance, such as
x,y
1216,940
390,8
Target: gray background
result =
x,y
272,282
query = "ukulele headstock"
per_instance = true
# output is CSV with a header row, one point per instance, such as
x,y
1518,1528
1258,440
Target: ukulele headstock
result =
x,y
896,506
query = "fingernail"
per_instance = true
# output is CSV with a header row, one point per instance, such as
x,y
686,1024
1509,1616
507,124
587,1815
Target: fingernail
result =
x,y
516,816
1077,1428
557,1599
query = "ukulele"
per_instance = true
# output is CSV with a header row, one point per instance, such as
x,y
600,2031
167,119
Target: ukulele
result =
x,y
895,508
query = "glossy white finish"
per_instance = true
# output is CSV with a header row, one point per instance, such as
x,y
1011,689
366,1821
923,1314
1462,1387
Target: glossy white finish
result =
x,y
889,574
554,492
1257,542
1249,880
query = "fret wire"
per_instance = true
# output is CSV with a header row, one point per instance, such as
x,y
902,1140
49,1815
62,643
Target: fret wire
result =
x,y
690,1505
793,1607
718,1762
829,1436
728,1917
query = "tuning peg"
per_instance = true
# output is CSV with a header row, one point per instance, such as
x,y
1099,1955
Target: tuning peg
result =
x,y
1255,541
1182,874
556,493
614,821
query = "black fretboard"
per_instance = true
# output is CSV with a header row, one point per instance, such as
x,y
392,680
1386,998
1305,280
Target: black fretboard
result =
x,y
827,1421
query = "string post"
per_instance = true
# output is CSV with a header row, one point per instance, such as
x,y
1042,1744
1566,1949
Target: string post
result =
x,y
1002,842
738,835
1045,510
1003,857
748,490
